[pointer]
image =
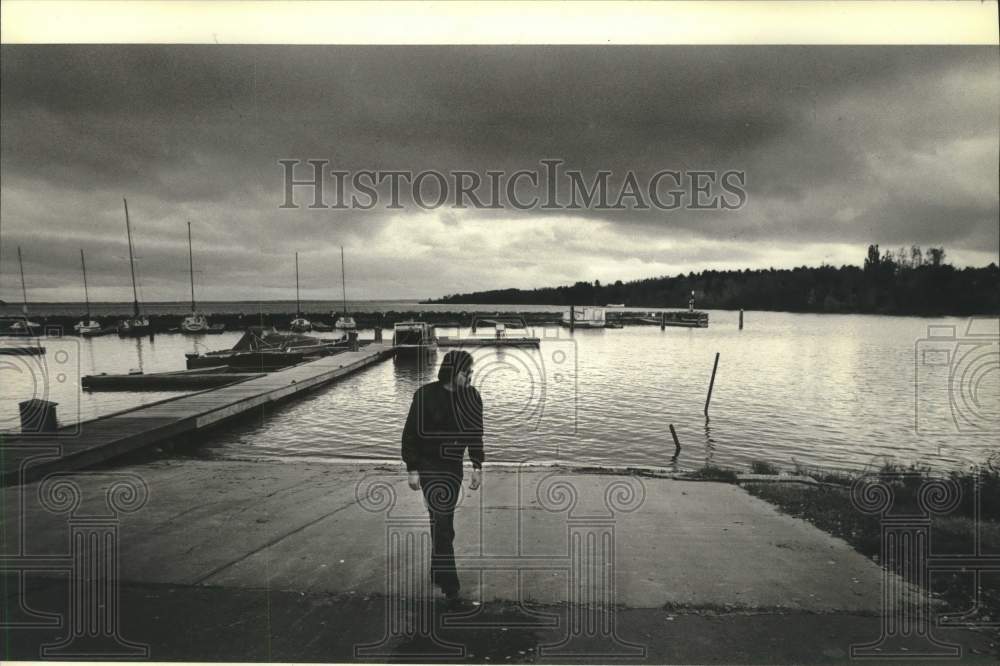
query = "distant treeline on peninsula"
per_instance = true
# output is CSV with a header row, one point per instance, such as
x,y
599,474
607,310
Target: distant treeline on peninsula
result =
x,y
907,282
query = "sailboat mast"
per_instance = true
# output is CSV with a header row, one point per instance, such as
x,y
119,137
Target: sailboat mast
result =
x,y
298,307
24,290
131,261
86,294
343,280
191,266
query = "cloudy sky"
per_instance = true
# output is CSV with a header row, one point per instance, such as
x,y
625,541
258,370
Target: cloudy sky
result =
x,y
841,146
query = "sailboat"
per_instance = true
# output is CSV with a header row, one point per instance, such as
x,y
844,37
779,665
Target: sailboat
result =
x,y
196,322
299,324
86,326
346,322
138,324
23,325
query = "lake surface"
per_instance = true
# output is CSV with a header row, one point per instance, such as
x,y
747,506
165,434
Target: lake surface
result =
x,y
831,391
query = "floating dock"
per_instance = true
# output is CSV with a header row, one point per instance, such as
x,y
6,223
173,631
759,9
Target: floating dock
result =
x,y
182,380
685,319
488,342
27,457
22,350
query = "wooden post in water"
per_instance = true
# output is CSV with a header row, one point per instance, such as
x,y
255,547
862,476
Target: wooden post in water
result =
x,y
677,444
711,384
663,321
572,318
741,319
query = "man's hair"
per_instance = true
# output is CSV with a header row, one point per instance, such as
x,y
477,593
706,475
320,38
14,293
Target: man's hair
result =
x,y
454,362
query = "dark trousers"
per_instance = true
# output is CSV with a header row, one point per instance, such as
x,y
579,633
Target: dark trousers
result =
x,y
441,490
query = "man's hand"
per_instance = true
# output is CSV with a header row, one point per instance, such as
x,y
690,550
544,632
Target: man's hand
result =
x,y
414,480
477,479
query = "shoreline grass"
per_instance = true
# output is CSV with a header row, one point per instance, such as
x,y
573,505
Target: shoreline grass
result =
x,y
830,507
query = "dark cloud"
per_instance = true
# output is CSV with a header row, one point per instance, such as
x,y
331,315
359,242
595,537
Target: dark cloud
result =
x,y
841,146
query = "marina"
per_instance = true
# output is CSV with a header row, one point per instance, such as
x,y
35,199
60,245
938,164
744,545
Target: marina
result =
x,y
30,456
670,338
612,385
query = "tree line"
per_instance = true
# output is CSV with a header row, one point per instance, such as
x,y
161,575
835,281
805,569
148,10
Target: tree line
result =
x,y
909,281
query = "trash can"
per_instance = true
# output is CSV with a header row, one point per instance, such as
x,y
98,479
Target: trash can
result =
x,y
38,416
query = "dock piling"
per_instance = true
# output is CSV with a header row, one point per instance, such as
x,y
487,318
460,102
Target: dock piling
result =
x,y
711,384
663,321
677,444
572,318
741,319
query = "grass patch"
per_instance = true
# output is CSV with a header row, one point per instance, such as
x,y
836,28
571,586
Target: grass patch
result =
x,y
761,467
713,473
832,510
824,475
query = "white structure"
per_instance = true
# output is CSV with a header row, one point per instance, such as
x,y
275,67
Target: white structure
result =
x,y
586,318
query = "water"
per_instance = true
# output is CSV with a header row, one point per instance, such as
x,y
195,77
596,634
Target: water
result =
x,y
830,391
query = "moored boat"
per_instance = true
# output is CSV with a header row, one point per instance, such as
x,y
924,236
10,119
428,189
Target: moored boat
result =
x,y
585,318
299,324
22,326
196,323
410,336
86,327
267,349
138,324
22,341
345,322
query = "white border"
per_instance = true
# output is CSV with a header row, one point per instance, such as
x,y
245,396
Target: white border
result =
x,y
523,22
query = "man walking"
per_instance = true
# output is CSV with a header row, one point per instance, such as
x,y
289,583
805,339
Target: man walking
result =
x,y
445,419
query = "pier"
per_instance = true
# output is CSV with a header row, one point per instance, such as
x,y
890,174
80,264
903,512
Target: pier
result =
x,y
29,457
444,341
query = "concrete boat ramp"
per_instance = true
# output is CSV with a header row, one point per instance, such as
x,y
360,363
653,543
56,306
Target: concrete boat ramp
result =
x,y
30,457
325,562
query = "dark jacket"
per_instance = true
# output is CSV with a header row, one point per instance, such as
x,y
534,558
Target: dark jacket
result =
x,y
440,426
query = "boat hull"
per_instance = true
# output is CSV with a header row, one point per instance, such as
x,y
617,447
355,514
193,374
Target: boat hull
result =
x,y
213,329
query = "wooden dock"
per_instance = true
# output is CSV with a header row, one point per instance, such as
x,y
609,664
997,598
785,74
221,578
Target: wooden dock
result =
x,y
488,342
25,458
